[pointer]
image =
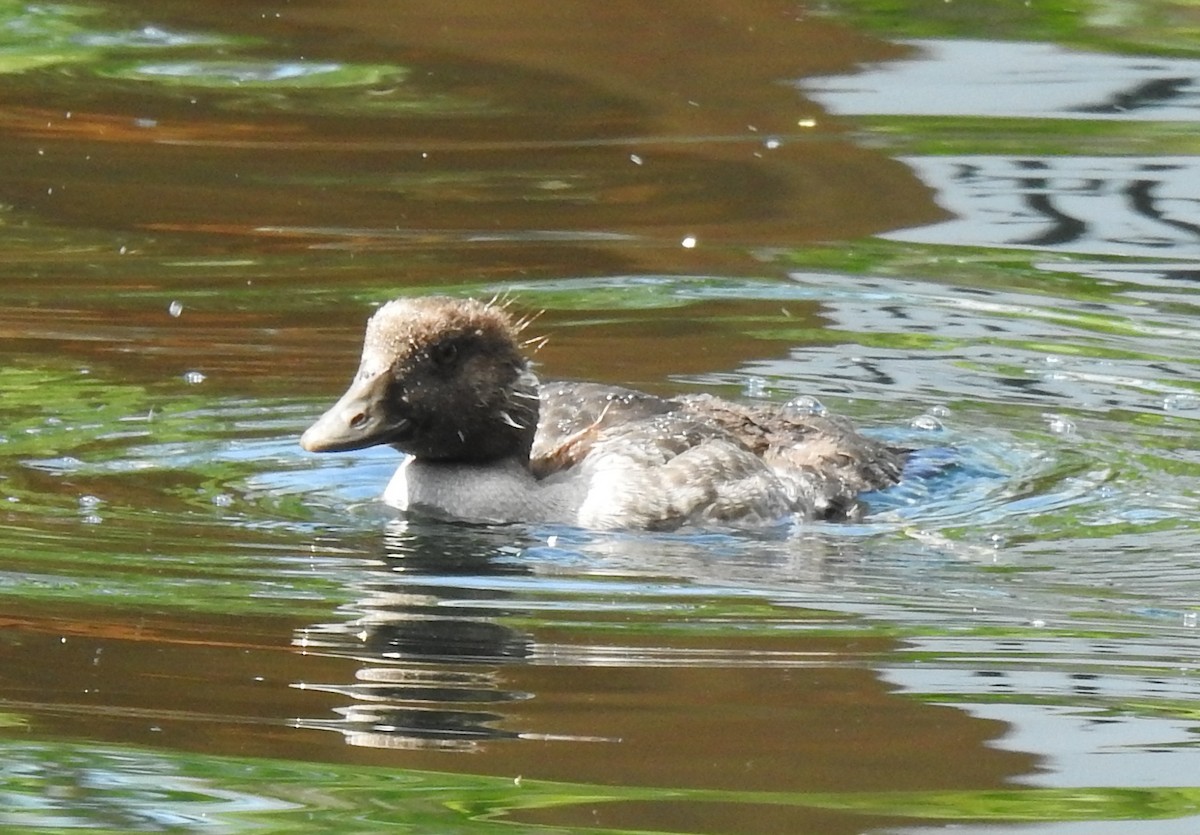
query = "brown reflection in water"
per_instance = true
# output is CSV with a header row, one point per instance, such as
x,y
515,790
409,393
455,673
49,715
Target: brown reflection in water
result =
x,y
571,90
700,67
227,686
567,93
647,347
224,685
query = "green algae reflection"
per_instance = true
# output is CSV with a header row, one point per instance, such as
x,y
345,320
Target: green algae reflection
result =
x,y
74,40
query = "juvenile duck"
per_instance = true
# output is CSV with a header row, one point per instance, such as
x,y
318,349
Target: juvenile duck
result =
x,y
445,381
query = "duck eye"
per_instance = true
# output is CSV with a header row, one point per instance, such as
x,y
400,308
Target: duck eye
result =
x,y
444,354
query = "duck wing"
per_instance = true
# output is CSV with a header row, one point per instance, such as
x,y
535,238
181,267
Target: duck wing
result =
x,y
823,456
670,469
659,463
573,417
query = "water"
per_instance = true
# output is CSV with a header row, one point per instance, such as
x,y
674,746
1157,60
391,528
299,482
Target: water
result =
x,y
207,628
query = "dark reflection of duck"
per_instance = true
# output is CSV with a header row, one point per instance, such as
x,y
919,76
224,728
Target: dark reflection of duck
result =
x,y
445,381
429,659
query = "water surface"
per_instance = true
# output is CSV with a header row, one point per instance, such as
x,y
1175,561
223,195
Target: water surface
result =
x,y
205,627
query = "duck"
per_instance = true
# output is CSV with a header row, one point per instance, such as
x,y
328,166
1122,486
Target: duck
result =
x,y
446,381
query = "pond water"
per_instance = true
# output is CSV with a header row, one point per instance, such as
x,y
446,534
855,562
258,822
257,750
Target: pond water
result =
x,y
975,231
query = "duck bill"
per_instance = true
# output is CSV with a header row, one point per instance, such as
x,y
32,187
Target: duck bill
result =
x,y
356,421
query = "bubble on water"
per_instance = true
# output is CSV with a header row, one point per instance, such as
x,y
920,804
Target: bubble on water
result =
x,y
1181,402
175,308
1059,424
804,405
193,378
931,419
88,504
772,144
756,387
1037,623
1189,619
635,159
222,500
688,242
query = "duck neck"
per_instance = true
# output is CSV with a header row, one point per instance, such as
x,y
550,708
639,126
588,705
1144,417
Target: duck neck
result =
x,y
518,418
500,429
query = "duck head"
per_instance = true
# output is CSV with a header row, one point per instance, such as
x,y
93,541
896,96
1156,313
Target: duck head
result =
x,y
441,379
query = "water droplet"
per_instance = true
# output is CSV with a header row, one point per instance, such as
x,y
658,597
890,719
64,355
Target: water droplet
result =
x,y
175,308
635,159
1189,619
193,378
804,405
939,411
89,501
1059,424
222,500
772,144
756,387
689,242
1037,623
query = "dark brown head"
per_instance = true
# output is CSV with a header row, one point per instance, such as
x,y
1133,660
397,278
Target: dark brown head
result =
x,y
442,379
